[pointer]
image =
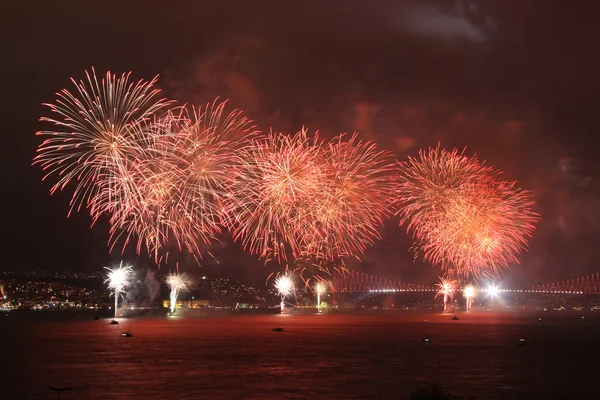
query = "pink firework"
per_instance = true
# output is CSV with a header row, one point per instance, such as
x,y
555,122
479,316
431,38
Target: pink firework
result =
x,y
276,178
344,218
462,216
446,288
99,135
181,186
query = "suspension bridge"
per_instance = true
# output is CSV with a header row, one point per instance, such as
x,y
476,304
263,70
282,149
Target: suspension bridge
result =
x,y
350,281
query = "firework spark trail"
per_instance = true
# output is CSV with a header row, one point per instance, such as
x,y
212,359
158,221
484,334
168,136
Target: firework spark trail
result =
x,y
321,271
99,133
118,280
461,215
177,283
446,288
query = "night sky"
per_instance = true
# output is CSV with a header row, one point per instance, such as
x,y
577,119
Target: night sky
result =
x,y
516,82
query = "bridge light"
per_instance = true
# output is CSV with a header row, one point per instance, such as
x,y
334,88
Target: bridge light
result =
x,y
493,290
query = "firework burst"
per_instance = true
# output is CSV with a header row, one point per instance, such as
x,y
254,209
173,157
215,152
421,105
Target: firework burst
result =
x,y
428,183
343,220
320,289
99,136
285,287
317,201
159,175
469,293
177,283
278,177
485,228
446,288
118,280
181,186
461,215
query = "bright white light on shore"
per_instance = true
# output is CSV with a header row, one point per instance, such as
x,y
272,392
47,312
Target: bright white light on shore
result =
x,y
118,280
469,291
177,283
284,285
320,288
493,290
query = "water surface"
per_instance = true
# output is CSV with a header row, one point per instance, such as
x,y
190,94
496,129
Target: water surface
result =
x,y
378,356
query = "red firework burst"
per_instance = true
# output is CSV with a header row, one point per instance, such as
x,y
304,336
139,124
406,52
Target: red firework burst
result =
x,y
277,177
462,216
181,185
352,203
100,132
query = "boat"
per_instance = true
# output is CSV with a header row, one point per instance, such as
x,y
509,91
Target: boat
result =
x,y
523,341
113,322
127,334
455,318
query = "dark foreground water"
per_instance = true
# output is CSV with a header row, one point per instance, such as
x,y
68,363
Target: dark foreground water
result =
x,y
316,356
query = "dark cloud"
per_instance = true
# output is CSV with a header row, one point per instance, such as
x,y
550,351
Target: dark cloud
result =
x,y
447,21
